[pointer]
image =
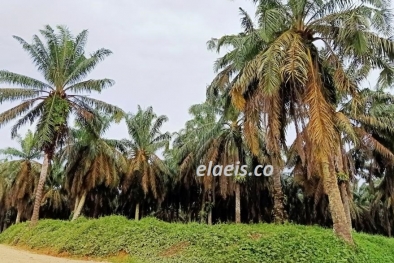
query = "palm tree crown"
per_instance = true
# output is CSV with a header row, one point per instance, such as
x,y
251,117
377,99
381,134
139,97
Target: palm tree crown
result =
x,y
64,66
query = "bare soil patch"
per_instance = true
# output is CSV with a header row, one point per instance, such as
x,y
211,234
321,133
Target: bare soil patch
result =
x,y
14,255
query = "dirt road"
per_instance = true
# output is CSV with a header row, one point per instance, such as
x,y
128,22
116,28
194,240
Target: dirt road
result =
x,y
14,255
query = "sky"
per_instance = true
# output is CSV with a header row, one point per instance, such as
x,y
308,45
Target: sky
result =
x,y
159,59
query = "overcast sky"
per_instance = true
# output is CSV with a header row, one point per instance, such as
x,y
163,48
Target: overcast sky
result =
x,y
159,49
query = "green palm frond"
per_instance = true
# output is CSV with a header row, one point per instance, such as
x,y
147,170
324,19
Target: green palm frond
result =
x,y
84,66
11,114
23,81
90,85
60,58
98,105
16,94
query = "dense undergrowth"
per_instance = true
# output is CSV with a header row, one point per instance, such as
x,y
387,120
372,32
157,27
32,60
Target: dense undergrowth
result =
x,y
151,240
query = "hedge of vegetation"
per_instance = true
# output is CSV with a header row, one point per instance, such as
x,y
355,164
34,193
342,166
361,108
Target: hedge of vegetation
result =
x,y
151,240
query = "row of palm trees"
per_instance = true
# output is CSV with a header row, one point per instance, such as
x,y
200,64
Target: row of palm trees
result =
x,y
301,65
99,176
88,165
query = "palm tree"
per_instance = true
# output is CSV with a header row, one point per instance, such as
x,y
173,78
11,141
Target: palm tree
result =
x,y
359,120
376,117
146,171
183,155
22,173
290,81
244,47
361,207
55,200
221,141
187,152
92,161
371,118
64,65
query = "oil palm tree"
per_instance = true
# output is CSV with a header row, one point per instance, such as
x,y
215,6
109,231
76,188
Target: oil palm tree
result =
x,y
377,118
359,121
189,156
215,135
22,173
146,172
290,81
55,200
183,154
61,59
92,161
245,46
371,118
361,207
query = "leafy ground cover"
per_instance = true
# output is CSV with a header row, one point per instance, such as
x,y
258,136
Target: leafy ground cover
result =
x,y
117,239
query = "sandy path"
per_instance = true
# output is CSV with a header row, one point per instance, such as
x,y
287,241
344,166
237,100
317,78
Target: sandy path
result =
x,y
14,255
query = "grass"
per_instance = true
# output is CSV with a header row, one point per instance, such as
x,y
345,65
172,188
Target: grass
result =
x,y
120,240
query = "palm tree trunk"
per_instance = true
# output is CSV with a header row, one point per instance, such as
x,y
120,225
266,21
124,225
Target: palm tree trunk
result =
x,y
345,201
337,211
96,206
343,185
210,194
76,204
202,211
178,207
19,212
189,211
80,206
18,216
39,190
237,203
279,210
137,212
387,220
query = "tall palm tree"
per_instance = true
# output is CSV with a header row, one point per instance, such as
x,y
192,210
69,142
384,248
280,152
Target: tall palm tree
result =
x,y
92,161
22,173
215,135
361,204
184,155
290,81
244,47
359,121
62,61
55,200
146,171
376,117
187,145
371,118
